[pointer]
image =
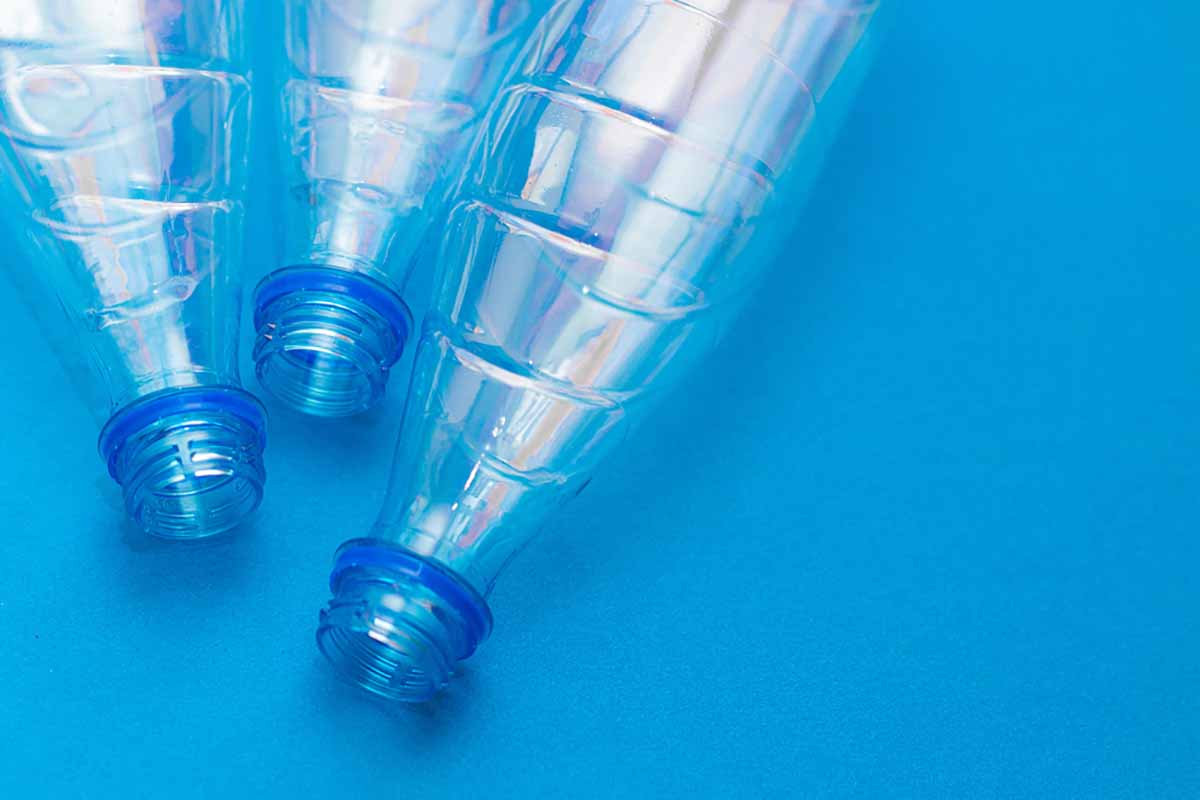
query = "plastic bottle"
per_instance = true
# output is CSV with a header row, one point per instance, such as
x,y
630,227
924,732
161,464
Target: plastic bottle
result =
x,y
379,100
123,128
636,174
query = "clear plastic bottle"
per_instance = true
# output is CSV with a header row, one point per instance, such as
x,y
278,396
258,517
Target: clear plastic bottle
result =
x,y
379,100
123,128
635,175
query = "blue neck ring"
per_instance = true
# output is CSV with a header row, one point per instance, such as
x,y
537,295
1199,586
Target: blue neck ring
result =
x,y
377,554
146,411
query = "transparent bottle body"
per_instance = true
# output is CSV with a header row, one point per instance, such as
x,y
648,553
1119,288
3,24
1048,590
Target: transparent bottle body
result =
x,y
378,103
637,172
123,129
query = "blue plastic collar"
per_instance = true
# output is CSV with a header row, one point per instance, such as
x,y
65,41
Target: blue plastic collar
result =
x,y
445,584
147,410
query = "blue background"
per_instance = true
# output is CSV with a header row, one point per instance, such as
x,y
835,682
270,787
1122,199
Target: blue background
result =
x,y
926,524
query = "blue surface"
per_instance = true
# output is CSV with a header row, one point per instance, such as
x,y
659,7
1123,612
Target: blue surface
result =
x,y
942,541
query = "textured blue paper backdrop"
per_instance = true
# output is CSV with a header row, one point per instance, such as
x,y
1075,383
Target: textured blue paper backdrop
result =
x,y
925,525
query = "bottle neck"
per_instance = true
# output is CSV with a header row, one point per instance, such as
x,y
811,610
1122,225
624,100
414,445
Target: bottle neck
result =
x,y
398,623
326,338
189,461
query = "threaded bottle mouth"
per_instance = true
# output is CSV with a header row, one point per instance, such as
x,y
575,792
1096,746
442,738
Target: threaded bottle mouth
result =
x,y
189,461
398,624
326,339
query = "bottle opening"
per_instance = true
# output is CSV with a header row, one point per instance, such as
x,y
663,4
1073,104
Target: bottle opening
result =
x,y
398,624
189,461
326,339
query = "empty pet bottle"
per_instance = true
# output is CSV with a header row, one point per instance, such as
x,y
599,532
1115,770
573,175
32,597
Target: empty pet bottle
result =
x,y
123,127
379,98
635,174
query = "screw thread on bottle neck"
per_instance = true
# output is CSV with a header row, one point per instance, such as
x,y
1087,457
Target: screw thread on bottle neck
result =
x,y
398,624
326,339
189,461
